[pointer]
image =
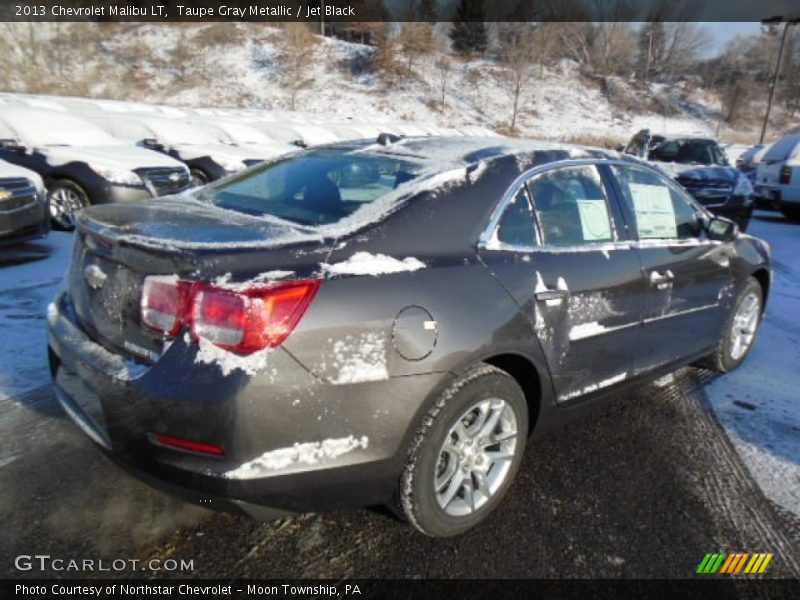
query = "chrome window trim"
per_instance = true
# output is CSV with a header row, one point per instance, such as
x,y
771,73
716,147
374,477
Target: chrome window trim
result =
x,y
488,239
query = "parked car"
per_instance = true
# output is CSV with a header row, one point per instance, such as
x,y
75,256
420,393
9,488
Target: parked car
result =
x,y
778,176
246,137
24,210
745,162
389,322
81,164
700,166
198,148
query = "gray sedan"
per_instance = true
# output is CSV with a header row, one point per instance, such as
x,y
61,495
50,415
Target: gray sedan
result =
x,y
389,322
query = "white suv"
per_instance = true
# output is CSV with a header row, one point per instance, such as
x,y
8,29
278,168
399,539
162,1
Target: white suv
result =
x,y
778,175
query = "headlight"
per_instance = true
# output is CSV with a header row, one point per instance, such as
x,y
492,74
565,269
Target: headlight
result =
x,y
231,166
118,176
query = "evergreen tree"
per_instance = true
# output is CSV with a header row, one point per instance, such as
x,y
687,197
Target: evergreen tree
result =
x,y
469,30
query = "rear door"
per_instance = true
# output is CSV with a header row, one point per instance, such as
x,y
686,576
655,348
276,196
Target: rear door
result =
x,y
558,252
686,274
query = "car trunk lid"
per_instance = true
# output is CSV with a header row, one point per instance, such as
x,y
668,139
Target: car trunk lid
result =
x,y
117,246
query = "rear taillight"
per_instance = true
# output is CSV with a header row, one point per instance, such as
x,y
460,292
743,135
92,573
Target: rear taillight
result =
x,y
165,303
785,176
241,321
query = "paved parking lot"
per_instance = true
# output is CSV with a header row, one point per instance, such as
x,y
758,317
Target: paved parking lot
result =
x,y
642,488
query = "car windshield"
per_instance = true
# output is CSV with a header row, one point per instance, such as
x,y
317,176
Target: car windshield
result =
x,y
315,188
689,152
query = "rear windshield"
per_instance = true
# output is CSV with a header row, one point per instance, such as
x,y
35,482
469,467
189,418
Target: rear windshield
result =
x,y
315,188
689,152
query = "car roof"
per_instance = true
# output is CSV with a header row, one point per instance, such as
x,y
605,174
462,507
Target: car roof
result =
x,y
441,153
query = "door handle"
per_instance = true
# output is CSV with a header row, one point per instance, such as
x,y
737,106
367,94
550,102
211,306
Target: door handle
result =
x,y
545,295
661,280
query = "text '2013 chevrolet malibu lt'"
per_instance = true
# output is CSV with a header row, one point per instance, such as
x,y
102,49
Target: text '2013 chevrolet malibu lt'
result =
x,y
388,322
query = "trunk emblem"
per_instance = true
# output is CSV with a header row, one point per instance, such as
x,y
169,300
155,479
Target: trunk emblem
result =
x,y
95,276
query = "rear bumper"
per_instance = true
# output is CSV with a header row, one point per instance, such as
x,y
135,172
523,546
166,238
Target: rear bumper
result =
x,y
121,405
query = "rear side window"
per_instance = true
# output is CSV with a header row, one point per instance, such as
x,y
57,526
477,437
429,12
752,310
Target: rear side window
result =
x,y
313,188
783,148
571,206
659,209
517,227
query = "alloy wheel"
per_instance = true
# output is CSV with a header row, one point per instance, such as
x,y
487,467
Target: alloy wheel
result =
x,y
745,324
64,203
476,457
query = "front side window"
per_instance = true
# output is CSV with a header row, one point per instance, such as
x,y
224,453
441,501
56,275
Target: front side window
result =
x,y
313,188
571,206
659,209
517,227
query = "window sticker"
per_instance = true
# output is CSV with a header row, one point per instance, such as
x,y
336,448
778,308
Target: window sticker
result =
x,y
594,220
655,214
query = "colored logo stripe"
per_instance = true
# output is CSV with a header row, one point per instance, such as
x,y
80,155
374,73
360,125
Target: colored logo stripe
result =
x,y
737,562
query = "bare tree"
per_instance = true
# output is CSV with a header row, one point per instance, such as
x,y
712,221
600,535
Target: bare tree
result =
x,y
444,69
295,56
517,53
416,40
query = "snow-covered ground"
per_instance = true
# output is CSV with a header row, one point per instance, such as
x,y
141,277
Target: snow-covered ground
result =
x,y
246,73
29,278
759,404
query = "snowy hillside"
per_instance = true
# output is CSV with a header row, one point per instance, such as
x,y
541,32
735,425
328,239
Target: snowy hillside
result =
x,y
245,66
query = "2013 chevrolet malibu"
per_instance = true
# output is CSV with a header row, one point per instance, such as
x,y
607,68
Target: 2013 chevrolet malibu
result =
x,y
389,322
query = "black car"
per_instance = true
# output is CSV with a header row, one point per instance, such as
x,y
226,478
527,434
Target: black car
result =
x,y
700,166
389,322
81,164
24,214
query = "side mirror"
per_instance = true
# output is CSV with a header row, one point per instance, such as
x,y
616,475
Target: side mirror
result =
x,y
13,145
721,229
151,144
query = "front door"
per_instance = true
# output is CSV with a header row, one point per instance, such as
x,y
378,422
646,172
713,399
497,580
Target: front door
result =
x,y
686,274
557,252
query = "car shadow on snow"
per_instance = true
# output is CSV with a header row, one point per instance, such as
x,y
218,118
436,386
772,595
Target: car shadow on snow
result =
x,y
23,253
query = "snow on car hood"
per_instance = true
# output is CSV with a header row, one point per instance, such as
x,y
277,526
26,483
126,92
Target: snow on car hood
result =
x,y
218,152
108,157
711,173
674,169
9,170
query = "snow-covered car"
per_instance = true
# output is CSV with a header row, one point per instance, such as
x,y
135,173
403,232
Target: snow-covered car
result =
x,y
201,150
305,336
24,213
247,137
778,176
700,166
81,164
299,134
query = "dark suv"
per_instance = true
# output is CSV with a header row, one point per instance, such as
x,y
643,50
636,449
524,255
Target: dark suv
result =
x,y
700,166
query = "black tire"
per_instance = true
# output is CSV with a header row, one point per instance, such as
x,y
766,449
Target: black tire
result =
x,y
66,199
416,497
792,213
198,177
723,359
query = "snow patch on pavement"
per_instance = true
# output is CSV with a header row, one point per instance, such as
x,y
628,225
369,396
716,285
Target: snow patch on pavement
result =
x,y
309,453
757,404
